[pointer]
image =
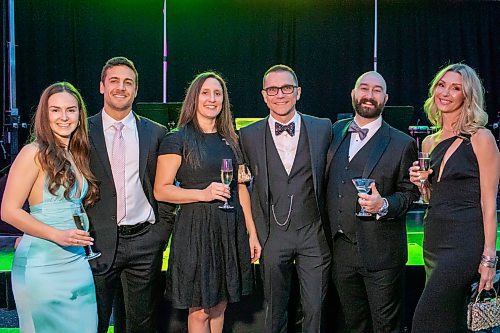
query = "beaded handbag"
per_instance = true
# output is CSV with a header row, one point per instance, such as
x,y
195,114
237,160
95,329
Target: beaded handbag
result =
x,y
484,313
244,175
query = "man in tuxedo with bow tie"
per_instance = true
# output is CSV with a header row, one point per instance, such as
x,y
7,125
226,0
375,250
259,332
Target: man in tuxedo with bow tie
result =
x,y
370,253
286,153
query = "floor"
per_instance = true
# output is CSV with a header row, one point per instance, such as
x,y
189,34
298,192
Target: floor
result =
x,y
8,316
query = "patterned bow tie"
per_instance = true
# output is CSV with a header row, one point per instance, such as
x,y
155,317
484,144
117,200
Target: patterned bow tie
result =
x,y
354,128
280,128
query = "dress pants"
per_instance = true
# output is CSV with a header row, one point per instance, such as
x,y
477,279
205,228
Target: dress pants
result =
x,y
137,266
307,251
372,301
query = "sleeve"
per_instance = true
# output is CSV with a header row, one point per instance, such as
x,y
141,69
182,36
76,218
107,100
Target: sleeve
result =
x,y
406,192
172,143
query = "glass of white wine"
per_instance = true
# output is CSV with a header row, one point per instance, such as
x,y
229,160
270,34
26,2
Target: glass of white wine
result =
x,y
226,176
82,223
424,163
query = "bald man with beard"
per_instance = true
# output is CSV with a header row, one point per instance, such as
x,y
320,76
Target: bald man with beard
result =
x,y
369,253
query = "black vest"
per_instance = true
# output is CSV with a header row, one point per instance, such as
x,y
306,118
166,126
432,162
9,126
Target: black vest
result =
x,y
342,197
299,183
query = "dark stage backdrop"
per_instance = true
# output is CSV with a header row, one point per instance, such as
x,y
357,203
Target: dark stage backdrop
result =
x,y
329,43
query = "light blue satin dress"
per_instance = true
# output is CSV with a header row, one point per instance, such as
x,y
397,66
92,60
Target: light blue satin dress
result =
x,y
52,284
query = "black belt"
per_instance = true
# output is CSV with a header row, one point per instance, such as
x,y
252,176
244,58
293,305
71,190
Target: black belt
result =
x,y
127,230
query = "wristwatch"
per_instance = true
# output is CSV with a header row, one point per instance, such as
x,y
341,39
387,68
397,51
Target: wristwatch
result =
x,y
385,208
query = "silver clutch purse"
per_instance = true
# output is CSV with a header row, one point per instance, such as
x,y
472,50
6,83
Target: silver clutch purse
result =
x,y
484,313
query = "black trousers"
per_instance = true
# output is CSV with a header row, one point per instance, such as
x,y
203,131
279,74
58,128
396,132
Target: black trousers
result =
x,y
307,251
372,301
137,267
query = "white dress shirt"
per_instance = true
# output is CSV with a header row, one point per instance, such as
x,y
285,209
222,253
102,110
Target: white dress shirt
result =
x,y
286,144
355,146
137,208
356,143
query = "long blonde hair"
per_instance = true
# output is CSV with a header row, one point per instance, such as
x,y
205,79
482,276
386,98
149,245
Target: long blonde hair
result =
x,y
472,116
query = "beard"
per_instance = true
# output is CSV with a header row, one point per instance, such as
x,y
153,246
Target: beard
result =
x,y
369,113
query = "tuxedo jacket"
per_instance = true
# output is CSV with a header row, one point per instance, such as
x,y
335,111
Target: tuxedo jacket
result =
x,y
102,215
382,243
253,145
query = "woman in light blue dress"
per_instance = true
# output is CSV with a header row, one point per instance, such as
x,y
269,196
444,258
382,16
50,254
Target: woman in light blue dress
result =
x,y
51,279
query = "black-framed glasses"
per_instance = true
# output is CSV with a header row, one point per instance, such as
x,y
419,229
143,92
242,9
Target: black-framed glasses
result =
x,y
273,91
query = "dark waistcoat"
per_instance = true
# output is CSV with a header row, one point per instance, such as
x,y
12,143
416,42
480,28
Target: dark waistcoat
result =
x,y
342,198
299,183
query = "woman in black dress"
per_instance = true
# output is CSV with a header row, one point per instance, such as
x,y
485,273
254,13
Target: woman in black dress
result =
x,y
460,226
212,249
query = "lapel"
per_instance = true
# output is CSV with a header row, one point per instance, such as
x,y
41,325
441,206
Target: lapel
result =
x,y
313,148
261,160
338,136
96,136
256,151
381,141
144,143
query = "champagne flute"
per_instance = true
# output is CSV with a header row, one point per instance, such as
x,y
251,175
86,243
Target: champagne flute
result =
x,y
424,163
363,186
226,176
82,223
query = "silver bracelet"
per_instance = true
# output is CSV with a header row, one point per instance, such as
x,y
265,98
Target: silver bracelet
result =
x,y
490,262
489,259
487,264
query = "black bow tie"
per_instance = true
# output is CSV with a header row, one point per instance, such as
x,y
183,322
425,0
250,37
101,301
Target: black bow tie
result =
x,y
280,128
354,128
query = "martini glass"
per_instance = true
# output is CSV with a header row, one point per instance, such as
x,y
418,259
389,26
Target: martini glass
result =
x,y
363,186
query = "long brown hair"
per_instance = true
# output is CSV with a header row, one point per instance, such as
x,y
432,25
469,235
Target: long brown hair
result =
x,y
189,121
51,152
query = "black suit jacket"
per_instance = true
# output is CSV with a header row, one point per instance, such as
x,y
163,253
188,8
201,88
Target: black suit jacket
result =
x,y
382,243
102,215
253,145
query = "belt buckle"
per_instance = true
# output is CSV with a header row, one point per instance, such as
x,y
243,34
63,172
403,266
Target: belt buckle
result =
x,y
127,230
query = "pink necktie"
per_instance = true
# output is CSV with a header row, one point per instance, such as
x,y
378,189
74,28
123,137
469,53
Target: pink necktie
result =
x,y
118,169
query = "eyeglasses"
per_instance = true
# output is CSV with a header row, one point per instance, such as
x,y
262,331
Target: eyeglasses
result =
x,y
273,91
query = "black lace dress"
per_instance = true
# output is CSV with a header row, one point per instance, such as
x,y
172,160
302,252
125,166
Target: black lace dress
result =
x,y
453,240
209,253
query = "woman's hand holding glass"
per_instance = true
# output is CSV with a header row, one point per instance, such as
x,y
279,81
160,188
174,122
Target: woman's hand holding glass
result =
x,y
419,177
72,237
215,191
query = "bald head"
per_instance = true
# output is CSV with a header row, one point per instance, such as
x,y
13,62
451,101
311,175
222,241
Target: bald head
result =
x,y
373,78
369,97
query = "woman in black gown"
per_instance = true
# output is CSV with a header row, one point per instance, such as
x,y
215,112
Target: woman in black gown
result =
x,y
460,226
212,249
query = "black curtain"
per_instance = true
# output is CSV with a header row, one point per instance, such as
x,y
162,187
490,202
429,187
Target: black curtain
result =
x,y
328,43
